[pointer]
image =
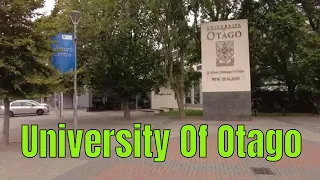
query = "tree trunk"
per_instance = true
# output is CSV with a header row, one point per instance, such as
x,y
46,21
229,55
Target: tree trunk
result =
x,y
6,122
180,105
126,108
181,87
291,92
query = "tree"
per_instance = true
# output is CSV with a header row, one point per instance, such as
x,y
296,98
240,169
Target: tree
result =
x,y
278,44
179,43
312,12
310,53
25,52
217,10
121,54
59,22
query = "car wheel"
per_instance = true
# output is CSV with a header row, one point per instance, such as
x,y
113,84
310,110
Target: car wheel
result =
x,y
40,112
11,114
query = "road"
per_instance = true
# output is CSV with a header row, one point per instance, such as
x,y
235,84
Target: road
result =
x,y
86,120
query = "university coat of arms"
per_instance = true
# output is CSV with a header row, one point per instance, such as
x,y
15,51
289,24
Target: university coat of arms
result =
x,y
225,52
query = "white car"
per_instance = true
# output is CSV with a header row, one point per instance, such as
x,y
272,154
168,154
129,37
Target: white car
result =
x,y
26,107
34,102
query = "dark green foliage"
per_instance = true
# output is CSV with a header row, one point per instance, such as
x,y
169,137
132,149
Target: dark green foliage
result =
x,y
25,68
125,59
25,51
126,46
282,46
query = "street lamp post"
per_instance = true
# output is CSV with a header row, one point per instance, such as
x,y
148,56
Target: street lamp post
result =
x,y
75,18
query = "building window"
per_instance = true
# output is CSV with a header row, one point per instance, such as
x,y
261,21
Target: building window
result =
x,y
199,68
196,94
188,97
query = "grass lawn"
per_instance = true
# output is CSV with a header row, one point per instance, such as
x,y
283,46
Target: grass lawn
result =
x,y
197,112
189,112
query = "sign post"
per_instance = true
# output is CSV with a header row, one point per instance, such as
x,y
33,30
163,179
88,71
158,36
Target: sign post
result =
x,y
75,18
64,58
61,104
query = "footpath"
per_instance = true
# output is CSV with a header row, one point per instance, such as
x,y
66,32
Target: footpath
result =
x,y
13,166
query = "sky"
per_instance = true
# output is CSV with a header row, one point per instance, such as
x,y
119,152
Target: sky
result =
x,y
49,5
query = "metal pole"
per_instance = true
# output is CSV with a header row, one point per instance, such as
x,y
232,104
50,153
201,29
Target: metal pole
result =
x,y
55,102
61,104
75,102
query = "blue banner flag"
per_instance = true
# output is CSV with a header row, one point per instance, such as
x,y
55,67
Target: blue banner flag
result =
x,y
63,58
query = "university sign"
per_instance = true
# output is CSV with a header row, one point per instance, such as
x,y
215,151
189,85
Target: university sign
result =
x,y
226,85
225,56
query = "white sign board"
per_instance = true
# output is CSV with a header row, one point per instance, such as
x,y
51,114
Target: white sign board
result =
x,y
165,98
225,56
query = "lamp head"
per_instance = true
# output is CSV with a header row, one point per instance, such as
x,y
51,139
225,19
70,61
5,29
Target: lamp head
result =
x,y
75,16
